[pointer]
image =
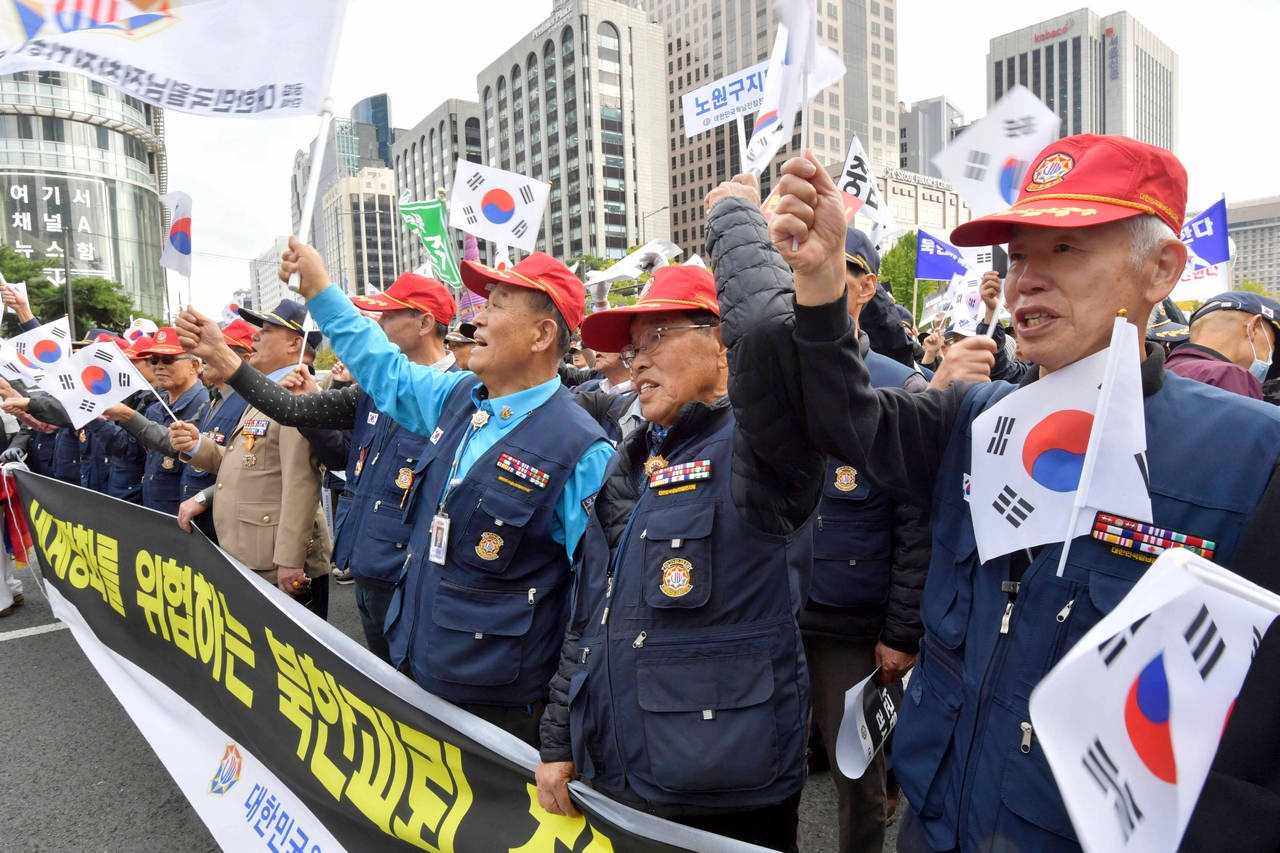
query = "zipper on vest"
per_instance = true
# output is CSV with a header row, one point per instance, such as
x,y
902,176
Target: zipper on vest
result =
x,y
1027,732
638,642
608,595
1008,613
582,658
1066,611
532,591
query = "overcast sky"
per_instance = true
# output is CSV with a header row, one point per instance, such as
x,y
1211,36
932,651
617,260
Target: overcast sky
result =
x,y
238,172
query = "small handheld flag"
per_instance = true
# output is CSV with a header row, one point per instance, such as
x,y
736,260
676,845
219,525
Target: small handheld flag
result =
x,y
176,254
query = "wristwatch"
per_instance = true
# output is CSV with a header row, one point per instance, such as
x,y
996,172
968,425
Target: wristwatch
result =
x,y
200,498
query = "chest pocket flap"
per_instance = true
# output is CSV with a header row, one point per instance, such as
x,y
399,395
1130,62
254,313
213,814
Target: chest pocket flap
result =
x,y
493,531
678,560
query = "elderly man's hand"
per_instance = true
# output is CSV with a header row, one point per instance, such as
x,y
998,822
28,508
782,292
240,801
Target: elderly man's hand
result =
x,y
187,510
745,186
15,300
184,436
16,405
808,229
299,381
989,290
553,787
968,360
305,261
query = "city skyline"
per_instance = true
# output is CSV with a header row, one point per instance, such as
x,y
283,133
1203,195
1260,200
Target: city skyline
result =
x,y
238,172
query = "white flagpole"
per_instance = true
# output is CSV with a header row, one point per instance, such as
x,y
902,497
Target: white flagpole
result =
x,y
313,181
742,141
1114,355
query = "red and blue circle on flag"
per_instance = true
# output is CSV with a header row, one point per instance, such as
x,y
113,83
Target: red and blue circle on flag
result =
x,y
1053,453
180,235
1146,720
96,380
46,351
498,206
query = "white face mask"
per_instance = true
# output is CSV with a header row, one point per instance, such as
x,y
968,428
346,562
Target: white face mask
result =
x,y
1259,368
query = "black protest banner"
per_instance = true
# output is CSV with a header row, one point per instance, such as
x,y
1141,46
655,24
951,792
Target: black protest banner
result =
x,y
282,732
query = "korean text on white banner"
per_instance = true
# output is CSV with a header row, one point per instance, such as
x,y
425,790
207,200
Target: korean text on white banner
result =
x,y
870,716
267,59
92,379
44,346
857,181
176,252
724,100
282,732
1200,284
496,205
1031,452
1131,717
986,163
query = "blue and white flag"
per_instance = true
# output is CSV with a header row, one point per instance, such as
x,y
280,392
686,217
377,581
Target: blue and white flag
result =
x,y
937,260
176,253
493,204
1206,237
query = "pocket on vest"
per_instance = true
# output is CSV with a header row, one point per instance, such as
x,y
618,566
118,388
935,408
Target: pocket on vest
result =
x,y
677,556
1027,787
948,592
491,535
851,566
922,744
709,723
258,523
478,634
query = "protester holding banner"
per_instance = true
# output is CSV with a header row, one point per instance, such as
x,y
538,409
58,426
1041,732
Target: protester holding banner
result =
x,y
508,479
1093,233
372,533
177,376
266,508
682,687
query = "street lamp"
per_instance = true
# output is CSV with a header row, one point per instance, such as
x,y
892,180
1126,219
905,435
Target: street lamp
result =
x,y
645,219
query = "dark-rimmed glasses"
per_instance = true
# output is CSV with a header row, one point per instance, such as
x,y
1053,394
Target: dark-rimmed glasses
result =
x,y
166,360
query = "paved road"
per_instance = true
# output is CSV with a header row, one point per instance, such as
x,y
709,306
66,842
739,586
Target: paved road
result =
x,y
76,775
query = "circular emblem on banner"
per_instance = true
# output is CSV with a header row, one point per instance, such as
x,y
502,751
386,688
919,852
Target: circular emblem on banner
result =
x,y
167,463
677,577
1050,171
846,478
404,479
489,546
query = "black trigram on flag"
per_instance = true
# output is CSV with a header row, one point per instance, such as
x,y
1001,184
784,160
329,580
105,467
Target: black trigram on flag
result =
x,y
520,229
1204,642
1020,126
88,406
470,213
476,181
104,355
1014,509
975,168
1111,648
526,194
59,332
124,380
1000,438
1107,775
66,382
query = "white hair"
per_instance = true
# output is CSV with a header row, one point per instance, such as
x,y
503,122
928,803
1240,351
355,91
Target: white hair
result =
x,y
1146,233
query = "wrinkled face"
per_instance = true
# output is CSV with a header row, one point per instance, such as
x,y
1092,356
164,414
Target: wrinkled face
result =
x,y
608,361
1065,287
178,375
687,365
273,347
505,333
401,327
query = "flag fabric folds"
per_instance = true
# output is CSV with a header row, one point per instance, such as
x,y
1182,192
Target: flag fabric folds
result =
x,y
176,252
936,259
858,182
45,346
268,59
1130,718
987,162
427,220
1206,236
91,380
1031,453
497,205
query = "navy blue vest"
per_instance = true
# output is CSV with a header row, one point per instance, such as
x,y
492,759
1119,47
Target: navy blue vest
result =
x,y
127,459
695,689
374,530
66,455
487,626
40,452
957,750
853,529
162,479
94,462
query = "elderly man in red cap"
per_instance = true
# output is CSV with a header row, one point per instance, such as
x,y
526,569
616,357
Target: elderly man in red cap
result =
x,y
1093,234
501,493
372,534
682,687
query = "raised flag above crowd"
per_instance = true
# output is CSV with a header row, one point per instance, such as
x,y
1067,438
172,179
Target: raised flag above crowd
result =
x,y
497,205
857,181
176,252
427,219
92,379
268,59
1206,237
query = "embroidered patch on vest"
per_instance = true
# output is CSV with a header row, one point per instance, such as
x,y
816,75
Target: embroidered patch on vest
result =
x,y
257,426
589,503
1145,538
846,478
682,473
524,470
435,436
373,418
489,546
677,578
167,463
404,479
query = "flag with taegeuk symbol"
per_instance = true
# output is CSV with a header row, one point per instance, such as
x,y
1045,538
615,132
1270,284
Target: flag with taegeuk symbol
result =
x,y
94,378
497,205
44,346
1131,717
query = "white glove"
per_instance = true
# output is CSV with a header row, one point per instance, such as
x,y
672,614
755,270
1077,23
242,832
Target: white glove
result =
x,y
13,454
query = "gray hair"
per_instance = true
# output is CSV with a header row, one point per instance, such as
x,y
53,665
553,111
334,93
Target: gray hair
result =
x,y
1146,233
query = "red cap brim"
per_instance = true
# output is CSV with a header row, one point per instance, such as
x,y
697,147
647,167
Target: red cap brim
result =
x,y
610,330
994,228
479,278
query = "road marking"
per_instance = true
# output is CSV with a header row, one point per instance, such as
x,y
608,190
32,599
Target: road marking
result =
x,y
31,632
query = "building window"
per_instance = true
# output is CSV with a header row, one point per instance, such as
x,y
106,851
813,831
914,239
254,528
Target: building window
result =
x,y
53,129
49,78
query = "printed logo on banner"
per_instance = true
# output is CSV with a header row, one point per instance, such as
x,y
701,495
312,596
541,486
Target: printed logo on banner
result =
x,y
103,15
229,770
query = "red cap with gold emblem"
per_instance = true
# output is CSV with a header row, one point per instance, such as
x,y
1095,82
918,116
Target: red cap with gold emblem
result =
x,y
165,342
675,288
1088,180
238,333
414,292
539,271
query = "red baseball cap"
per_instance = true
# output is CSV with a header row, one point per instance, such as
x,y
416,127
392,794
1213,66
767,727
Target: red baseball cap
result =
x,y
540,272
165,342
1088,180
139,346
415,292
673,288
238,333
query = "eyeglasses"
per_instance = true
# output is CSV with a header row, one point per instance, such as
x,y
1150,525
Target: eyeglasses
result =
x,y
649,341
166,360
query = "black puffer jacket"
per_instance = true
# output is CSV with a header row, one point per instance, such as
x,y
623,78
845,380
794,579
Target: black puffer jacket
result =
x,y
777,474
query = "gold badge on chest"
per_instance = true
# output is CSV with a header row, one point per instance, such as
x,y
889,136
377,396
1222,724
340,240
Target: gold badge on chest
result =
x,y
653,463
479,418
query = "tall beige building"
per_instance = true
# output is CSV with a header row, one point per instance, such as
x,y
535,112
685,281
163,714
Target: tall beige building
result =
x,y
709,39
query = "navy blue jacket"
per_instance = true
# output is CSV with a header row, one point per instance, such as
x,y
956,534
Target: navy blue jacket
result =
x,y
162,480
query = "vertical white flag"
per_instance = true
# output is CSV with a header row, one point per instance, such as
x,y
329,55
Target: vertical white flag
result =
x,y
1130,718
496,205
986,163
857,181
176,253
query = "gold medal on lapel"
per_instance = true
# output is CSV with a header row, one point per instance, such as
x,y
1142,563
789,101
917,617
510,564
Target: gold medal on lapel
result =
x,y
653,463
479,418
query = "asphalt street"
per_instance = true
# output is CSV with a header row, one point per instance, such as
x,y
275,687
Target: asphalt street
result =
x,y
76,775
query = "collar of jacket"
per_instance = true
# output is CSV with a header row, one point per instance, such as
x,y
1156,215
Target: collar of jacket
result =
x,y
695,418
1152,370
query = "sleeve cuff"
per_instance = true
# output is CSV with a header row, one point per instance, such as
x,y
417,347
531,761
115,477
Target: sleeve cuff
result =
x,y
820,323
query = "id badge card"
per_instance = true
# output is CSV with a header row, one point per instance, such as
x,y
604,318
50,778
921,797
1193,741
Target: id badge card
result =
x,y
439,539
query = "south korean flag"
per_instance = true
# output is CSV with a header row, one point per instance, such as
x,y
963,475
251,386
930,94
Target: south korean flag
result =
x,y
495,205
92,380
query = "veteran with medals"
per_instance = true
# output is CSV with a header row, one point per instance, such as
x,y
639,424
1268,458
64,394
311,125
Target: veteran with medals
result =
x,y
682,687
